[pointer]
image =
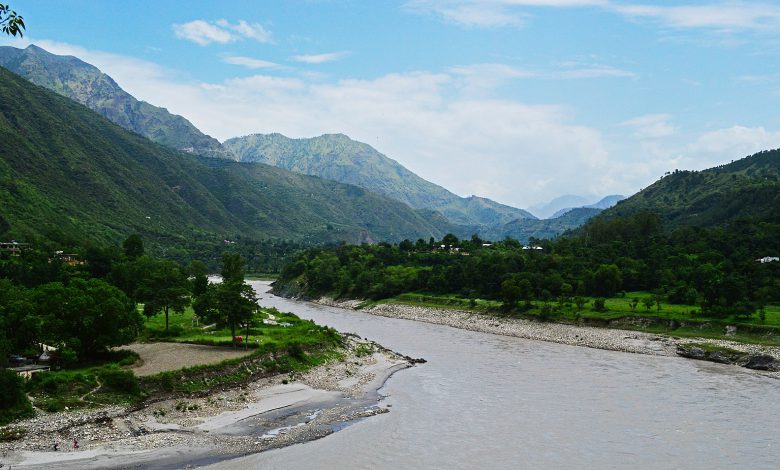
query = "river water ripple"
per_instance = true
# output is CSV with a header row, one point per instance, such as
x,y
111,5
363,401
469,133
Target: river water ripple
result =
x,y
488,401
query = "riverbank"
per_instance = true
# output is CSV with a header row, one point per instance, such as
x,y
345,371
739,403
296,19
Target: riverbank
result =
x,y
586,336
268,413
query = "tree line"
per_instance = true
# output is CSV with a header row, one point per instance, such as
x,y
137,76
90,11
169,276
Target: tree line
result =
x,y
713,268
85,308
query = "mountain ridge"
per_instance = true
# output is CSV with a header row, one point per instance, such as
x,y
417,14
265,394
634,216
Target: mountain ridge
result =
x,y
748,187
86,84
69,175
337,157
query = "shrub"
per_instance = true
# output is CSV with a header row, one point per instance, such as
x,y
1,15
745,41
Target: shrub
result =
x,y
600,305
119,380
14,403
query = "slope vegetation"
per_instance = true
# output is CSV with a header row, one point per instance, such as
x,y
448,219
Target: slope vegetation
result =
x,y
749,187
87,85
339,158
68,175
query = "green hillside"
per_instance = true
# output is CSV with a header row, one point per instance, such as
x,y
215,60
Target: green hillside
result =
x,y
87,85
749,187
68,175
339,158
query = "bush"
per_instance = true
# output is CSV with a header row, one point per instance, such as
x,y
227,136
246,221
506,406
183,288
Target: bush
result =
x,y
14,403
119,380
600,305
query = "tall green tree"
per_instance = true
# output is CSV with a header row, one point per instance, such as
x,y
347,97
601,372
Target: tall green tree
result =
x,y
233,299
86,316
232,267
164,289
236,302
198,275
133,246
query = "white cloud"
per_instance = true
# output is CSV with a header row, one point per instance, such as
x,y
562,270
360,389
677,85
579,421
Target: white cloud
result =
x,y
254,31
319,58
731,143
204,32
596,71
724,16
651,126
250,62
727,16
479,77
489,13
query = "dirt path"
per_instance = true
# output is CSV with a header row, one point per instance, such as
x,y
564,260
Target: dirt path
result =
x,y
161,357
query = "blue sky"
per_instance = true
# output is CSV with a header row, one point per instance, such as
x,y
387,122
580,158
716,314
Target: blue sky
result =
x,y
516,100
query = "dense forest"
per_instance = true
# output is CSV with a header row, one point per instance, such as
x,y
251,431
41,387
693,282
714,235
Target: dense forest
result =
x,y
713,268
75,310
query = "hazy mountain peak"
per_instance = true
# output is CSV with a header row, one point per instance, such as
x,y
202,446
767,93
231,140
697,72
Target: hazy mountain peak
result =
x,y
340,158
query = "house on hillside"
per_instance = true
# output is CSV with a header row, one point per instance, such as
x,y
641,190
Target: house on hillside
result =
x,y
533,247
27,371
13,247
71,259
768,259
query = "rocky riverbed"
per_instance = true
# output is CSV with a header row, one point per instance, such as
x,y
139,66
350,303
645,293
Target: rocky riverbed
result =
x,y
269,413
592,337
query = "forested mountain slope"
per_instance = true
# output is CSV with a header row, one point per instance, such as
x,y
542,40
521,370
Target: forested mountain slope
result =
x,y
749,187
68,175
339,158
86,84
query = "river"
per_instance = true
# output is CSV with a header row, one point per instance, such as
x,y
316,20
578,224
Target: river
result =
x,y
488,401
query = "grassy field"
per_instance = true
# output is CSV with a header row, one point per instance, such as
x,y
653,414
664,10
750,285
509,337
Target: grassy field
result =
x,y
277,343
102,382
676,320
287,330
281,343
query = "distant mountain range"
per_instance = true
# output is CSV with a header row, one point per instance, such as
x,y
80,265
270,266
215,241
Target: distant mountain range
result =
x,y
604,203
562,204
749,187
523,230
70,176
312,208
339,158
87,85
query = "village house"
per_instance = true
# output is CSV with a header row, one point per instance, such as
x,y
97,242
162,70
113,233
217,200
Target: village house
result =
x,y
13,247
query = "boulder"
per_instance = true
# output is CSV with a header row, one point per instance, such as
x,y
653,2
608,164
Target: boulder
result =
x,y
762,362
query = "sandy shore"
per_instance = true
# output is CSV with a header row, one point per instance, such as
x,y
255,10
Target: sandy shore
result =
x,y
269,413
591,337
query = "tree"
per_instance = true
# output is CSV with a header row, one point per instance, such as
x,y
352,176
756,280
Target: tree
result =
x,y
232,267
608,280
86,316
14,403
164,289
199,280
133,246
510,294
450,240
634,302
648,302
10,22
231,302
236,302
657,298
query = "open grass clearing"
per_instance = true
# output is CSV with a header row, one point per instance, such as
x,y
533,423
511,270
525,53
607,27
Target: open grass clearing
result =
x,y
162,357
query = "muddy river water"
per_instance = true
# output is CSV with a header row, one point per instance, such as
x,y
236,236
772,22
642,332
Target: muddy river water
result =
x,y
488,401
